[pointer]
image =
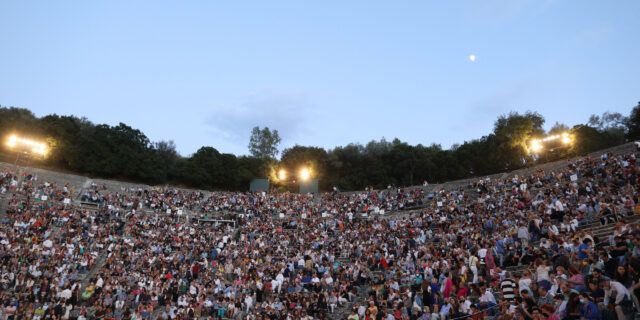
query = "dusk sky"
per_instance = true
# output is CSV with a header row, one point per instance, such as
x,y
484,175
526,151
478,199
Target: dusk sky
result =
x,y
323,73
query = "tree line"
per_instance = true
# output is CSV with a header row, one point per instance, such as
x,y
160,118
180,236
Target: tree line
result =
x,y
122,152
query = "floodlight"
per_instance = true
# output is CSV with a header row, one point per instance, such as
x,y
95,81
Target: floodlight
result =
x,y
282,174
35,147
12,141
304,174
536,146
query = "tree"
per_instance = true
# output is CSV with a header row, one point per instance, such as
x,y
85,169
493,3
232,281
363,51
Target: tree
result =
x,y
264,143
348,167
167,152
62,138
609,121
477,157
559,128
513,133
516,129
588,139
121,151
250,168
633,123
612,125
17,119
313,159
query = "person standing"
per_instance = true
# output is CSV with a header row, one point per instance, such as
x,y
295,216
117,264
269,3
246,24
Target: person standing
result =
x,y
473,266
523,236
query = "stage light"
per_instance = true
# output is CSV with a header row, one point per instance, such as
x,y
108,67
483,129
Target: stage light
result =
x,y
282,174
36,147
536,146
12,141
304,174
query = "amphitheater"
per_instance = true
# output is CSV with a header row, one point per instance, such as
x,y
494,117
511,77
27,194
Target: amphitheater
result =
x,y
82,184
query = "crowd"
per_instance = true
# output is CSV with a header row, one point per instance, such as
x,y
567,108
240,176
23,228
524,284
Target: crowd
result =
x,y
311,205
165,200
513,248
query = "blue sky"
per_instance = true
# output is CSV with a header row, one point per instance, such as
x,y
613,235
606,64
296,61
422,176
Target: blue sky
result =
x,y
323,73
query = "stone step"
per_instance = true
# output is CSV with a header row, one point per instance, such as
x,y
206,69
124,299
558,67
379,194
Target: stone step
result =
x,y
95,268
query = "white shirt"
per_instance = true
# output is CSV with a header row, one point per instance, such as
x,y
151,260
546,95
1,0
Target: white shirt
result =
x,y
66,294
524,284
487,296
621,292
466,306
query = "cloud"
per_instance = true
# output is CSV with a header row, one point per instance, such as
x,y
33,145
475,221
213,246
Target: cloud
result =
x,y
289,113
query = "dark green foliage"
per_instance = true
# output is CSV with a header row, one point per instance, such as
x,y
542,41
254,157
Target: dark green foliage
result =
x,y
633,123
122,152
588,139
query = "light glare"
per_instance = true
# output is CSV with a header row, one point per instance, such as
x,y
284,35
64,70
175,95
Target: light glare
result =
x,y
536,146
304,174
36,147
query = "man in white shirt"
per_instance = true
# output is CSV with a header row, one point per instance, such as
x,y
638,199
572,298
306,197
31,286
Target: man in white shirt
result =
x,y
482,252
361,311
65,294
99,284
488,297
280,280
622,294
248,302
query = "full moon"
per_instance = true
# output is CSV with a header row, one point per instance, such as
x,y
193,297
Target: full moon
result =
x,y
472,57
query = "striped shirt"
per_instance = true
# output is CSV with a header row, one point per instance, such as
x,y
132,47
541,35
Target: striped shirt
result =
x,y
508,287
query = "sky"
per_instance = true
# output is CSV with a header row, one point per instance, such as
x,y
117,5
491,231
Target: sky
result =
x,y
323,73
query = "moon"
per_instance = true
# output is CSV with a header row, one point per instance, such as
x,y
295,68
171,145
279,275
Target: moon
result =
x,y
472,58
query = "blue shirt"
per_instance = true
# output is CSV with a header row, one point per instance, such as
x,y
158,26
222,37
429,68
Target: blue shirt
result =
x,y
590,311
445,309
582,255
500,246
